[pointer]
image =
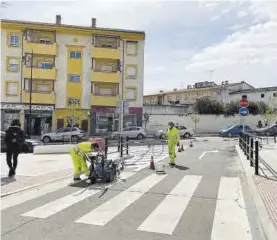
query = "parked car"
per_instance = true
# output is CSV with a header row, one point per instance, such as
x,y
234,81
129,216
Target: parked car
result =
x,y
235,130
27,147
132,132
266,131
184,132
64,134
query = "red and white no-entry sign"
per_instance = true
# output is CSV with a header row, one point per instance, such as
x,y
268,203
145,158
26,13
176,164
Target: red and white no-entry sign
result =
x,y
243,102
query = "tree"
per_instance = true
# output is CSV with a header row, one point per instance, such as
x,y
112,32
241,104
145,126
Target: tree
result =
x,y
195,118
271,111
207,105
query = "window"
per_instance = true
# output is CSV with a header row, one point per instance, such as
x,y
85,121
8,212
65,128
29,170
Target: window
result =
x,y
178,97
130,94
14,40
13,64
262,95
105,91
169,98
106,68
45,65
73,101
74,54
74,78
275,94
132,48
131,72
12,89
44,88
45,41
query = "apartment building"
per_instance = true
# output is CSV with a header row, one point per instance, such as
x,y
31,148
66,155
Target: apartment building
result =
x,y
190,94
76,73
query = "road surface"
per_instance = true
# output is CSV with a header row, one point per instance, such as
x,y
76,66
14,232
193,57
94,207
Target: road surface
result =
x,y
205,197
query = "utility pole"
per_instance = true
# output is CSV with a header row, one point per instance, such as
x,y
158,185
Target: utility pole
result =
x,y
122,92
30,100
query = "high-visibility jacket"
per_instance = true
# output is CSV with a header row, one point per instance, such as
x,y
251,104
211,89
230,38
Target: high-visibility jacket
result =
x,y
84,147
173,135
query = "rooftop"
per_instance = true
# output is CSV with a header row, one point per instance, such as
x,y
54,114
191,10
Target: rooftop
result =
x,y
265,89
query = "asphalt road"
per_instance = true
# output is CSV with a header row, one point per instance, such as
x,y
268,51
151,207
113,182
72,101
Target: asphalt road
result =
x,y
204,197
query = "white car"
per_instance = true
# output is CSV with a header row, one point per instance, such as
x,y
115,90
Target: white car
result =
x,y
184,132
132,132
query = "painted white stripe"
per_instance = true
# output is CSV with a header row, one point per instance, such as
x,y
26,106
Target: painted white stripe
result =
x,y
166,216
230,214
21,197
110,209
62,203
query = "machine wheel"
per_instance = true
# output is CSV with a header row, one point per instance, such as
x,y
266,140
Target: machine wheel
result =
x,y
111,176
92,176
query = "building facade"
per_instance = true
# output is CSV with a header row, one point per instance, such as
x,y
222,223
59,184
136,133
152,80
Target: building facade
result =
x,y
189,95
70,75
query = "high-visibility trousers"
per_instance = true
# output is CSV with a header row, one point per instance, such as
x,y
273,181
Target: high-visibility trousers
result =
x,y
171,151
80,165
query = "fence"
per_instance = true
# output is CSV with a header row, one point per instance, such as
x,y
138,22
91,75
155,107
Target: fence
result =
x,y
251,146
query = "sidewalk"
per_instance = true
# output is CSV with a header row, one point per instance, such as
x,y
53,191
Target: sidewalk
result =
x,y
264,189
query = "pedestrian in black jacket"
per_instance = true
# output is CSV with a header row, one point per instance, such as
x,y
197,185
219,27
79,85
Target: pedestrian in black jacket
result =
x,y
14,139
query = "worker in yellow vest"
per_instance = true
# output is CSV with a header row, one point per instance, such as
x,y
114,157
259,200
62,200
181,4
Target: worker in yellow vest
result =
x,y
79,159
173,137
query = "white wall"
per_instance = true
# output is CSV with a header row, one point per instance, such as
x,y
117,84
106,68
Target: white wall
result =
x,y
207,123
138,83
9,51
61,65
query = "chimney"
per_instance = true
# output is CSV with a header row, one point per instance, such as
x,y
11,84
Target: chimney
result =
x,y
226,82
93,22
58,19
222,83
175,89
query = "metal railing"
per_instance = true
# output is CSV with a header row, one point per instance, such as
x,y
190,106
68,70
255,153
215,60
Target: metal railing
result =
x,y
251,145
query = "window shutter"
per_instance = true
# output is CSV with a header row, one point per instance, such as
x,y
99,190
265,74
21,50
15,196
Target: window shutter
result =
x,y
130,94
106,68
131,72
105,91
43,88
13,64
131,48
12,89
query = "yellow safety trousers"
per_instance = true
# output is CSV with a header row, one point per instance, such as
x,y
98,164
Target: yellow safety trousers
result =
x,y
173,137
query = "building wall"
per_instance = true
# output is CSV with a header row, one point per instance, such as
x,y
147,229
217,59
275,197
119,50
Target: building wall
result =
x,y
5,75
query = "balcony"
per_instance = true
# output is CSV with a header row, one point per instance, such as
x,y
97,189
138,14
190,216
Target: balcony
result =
x,y
104,100
40,73
40,48
105,53
39,97
105,77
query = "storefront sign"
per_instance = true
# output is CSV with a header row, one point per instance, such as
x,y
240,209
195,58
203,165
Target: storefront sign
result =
x,y
26,107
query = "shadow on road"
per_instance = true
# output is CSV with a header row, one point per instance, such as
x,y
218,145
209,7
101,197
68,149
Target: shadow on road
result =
x,y
6,180
183,168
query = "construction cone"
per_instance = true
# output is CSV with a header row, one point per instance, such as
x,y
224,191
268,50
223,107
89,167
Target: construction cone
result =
x,y
191,144
179,149
152,165
182,147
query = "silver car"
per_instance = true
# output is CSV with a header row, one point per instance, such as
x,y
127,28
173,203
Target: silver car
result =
x,y
64,134
132,132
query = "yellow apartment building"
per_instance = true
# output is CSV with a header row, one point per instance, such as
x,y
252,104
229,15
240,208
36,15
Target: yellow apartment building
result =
x,y
75,71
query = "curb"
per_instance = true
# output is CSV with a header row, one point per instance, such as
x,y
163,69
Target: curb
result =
x,y
34,186
267,226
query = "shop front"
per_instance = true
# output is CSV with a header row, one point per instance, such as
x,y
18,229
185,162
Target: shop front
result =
x,y
105,120
41,117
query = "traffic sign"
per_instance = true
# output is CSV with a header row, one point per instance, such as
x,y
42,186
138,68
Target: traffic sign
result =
x,y
243,103
243,112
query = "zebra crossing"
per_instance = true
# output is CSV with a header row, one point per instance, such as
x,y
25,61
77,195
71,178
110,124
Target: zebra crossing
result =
x,y
230,214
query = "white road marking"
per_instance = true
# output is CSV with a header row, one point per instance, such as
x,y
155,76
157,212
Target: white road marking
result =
x,y
21,197
166,216
110,209
60,204
203,154
230,219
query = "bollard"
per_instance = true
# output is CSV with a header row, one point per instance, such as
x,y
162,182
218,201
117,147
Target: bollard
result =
x,y
251,152
240,136
106,148
244,143
127,145
274,138
256,158
121,146
118,144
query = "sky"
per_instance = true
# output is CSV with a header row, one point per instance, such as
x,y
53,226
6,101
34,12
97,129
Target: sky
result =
x,y
186,41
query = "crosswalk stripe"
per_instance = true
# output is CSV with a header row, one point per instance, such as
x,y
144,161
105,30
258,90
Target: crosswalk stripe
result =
x,y
110,209
14,200
62,203
230,219
166,216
